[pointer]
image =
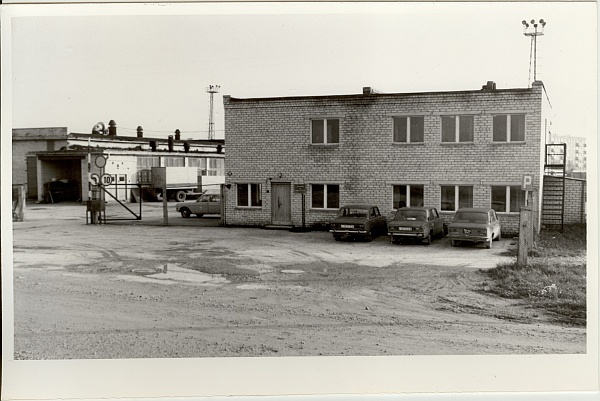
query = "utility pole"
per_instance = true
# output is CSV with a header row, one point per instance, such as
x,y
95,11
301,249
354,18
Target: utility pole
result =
x,y
211,89
533,33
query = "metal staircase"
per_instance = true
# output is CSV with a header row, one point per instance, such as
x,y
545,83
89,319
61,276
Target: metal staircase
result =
x,y
553,196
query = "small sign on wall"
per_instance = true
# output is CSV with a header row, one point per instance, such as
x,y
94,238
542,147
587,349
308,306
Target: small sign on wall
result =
x,y
300,188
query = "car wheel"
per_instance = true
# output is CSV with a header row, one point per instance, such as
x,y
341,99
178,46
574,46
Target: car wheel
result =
x,y
369,236
337,237
180,196
452,242
199,215
427,240
498,237
488,244
185,213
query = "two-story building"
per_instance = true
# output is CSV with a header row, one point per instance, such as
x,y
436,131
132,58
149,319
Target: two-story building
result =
x,y
293,161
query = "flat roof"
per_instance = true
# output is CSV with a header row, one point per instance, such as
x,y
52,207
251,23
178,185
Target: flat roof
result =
x,y
375,94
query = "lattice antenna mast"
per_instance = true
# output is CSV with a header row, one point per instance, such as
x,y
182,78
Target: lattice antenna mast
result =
x,y
211,89
531,29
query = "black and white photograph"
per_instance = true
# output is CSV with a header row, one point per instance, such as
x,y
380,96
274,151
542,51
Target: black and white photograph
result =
x,y
299,199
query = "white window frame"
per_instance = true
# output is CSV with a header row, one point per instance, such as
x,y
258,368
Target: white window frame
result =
x,y
325,121
249,185
509,127
507,199
408,119
457,118
408,199
456,196
325,193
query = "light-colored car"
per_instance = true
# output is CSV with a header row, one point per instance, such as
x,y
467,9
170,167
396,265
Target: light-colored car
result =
x,y
417,223
363,221
205,204
475,225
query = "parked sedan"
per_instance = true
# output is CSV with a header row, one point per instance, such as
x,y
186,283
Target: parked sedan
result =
x,y
417,223
363,221
475,225
205,204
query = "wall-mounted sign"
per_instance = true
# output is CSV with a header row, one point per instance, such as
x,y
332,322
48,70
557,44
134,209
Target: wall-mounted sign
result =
x,y
106,179
300,188
100,161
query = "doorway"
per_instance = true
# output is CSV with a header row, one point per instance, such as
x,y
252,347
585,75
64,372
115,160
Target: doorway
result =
x,y
281,210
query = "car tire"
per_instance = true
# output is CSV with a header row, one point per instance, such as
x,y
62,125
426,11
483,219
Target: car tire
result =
x,y
185,213
369,236
488,244
427,240
452,242
498,237
180,196
337,237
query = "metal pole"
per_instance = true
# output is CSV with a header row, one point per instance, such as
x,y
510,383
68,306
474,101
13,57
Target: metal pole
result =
x,y
165,207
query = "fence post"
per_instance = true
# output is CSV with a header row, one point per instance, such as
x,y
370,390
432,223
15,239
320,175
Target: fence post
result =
x,y
524,236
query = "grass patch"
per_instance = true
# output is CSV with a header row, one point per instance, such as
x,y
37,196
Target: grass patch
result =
x,y
554,278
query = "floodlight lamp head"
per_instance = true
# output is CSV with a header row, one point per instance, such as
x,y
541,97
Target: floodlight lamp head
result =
x,y
524,23
532,21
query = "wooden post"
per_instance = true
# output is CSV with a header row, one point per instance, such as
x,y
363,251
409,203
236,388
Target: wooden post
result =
x,y
165,206
524,229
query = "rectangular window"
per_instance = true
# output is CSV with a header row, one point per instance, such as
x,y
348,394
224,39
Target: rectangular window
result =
x,y
509,128
409,129
325,196
507,199
249,195
456,195
199,162
458,128
325,131
407,195
173,161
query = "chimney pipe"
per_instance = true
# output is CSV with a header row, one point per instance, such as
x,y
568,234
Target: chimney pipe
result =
x,y
140,131
177,134
112,128
170,143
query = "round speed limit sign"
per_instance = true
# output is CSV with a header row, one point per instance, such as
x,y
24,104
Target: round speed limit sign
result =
x,y
106,179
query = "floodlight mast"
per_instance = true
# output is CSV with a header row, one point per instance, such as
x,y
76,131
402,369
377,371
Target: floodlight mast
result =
x,y
531,29
211,89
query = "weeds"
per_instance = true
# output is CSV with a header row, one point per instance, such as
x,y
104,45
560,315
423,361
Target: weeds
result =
x,y
554,278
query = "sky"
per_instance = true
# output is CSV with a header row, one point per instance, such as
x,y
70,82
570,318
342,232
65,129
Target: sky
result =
x,y
150,65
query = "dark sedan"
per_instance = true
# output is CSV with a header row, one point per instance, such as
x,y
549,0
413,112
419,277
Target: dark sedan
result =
x,y
363,221
416,223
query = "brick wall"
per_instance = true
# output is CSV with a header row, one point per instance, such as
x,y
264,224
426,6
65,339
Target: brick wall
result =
x,y
268,140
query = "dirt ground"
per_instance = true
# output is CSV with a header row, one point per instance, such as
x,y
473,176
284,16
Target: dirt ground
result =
x,y
193,289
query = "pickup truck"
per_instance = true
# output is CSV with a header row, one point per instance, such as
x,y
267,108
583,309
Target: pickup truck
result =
x,y
205,204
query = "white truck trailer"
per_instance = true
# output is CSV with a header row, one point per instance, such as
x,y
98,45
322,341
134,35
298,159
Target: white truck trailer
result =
x,y
178,181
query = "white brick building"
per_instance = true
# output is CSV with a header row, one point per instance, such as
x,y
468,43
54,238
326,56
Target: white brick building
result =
x,y
295,160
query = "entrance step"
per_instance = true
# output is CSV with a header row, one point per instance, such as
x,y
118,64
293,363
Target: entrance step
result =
x,y
278,227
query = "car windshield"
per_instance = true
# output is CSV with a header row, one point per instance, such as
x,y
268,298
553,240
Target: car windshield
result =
x,y
353,212
471,217
418,215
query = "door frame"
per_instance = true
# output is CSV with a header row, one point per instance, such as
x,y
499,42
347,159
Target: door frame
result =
x,y
287,185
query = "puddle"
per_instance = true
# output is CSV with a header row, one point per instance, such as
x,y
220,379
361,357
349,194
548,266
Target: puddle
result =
x,y
172,273
293,271
252,287
259,268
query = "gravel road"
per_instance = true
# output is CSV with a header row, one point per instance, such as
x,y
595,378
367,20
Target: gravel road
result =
x,y
193,289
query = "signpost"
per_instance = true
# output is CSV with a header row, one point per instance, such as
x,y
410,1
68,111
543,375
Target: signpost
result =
x,y
301,189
